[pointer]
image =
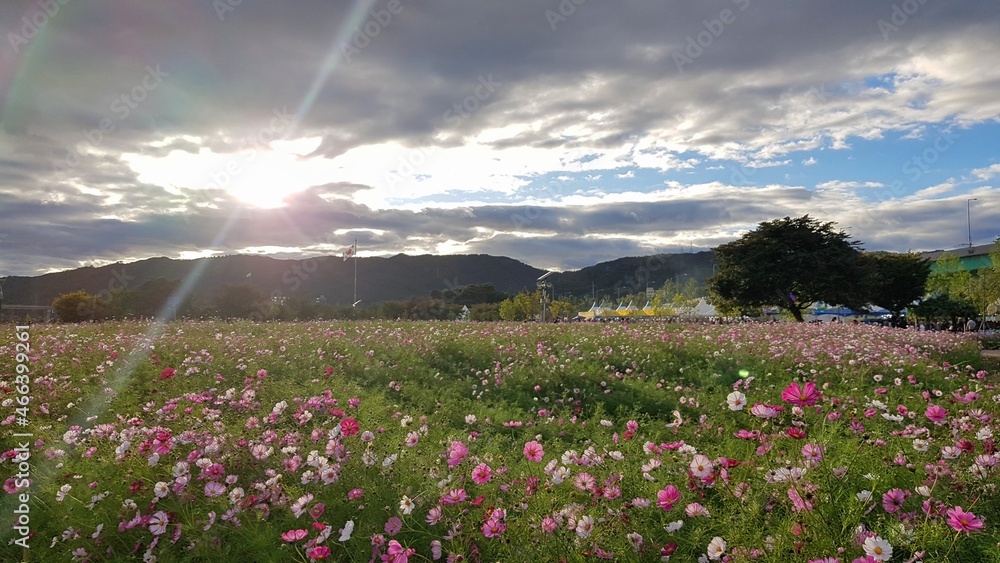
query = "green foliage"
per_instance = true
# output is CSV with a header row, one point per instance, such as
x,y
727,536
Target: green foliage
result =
x,y
943,308
894,281
485,312
241,301
789,263
79,306
949,277
521,307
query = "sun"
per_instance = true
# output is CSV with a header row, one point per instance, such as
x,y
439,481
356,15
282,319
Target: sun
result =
x,y
261,178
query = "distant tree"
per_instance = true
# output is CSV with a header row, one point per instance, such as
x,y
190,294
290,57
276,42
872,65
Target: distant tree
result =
x,y
485,312
239,301
943,308
79,306
791,264
122,303
470,294
520,307
153,296
984,287
560,309
894,281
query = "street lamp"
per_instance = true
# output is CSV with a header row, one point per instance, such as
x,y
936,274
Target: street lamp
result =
x,y
968,204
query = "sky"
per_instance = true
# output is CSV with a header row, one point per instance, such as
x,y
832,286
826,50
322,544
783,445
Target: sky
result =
x,y
561,133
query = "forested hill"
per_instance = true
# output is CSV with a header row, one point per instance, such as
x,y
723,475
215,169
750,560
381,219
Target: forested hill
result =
x,y
379,279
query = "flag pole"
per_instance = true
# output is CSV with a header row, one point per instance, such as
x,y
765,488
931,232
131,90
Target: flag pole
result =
x,y
355,272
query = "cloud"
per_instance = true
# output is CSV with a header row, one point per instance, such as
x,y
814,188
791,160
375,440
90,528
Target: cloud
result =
x,y
461,127
988,173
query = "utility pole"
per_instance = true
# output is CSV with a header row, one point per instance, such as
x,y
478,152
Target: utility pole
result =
x,y
968,204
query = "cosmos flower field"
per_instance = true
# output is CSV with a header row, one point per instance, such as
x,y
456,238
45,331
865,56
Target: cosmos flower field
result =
x,y
197,441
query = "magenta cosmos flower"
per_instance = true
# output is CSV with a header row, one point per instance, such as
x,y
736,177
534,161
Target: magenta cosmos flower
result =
x,y
962,521
937,414
801,396
668,497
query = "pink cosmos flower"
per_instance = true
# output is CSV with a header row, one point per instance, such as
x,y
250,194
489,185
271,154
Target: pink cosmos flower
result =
x,y
214,489
799,504
801,396
455,496
696,509
761,410
456,454
294,535
813,452
937,414
549,525
481,474
892,500
393,526
533,451
397,554
666,498
585,482
962,521
214,471
493,528
434,515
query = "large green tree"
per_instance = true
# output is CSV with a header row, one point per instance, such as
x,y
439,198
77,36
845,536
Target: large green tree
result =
x,y
789,263
79,306
894,281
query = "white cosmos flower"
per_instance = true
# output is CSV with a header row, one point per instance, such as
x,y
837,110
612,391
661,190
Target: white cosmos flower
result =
x,y
736,401
878,548
716,548
161,489
348,529
406,505
158,523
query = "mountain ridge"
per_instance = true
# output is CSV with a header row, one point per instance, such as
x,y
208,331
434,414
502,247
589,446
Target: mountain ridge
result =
x,y
401,276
